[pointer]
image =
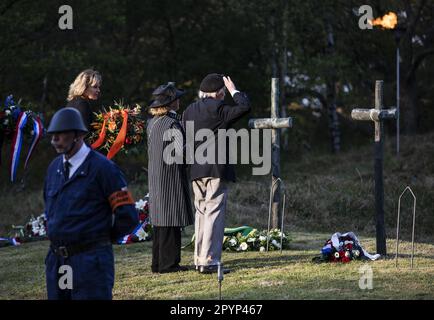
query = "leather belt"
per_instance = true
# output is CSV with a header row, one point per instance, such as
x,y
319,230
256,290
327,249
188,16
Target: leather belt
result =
x,y
71,250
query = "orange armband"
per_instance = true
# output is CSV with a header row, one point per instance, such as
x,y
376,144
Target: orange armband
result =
x,y
120,198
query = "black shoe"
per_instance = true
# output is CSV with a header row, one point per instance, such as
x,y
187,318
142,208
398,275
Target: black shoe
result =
x,y
174,269
212,269
183,268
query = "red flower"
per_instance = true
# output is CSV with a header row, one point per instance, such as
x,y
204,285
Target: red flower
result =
x,y
142,216
346,259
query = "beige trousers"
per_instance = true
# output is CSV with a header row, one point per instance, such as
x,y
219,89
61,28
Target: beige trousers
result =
x,y
210,195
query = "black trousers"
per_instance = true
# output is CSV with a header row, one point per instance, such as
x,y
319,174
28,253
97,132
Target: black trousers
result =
x,y
166,248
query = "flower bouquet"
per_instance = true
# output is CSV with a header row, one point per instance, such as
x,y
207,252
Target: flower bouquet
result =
x,y
118,129
8,117
343,248
256,241
348,250
35,229
143,232
13,121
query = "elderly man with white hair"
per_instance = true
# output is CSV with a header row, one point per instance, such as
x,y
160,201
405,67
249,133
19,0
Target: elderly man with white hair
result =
x,y
210,180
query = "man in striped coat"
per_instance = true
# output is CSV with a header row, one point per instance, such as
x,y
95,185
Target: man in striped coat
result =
x,y
170,205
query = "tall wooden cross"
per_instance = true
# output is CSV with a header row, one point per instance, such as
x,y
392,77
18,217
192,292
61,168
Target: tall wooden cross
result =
x,y
378,115
274,123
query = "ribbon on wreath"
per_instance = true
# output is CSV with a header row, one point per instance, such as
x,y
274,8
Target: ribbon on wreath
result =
x,y
101,136
38,132
120,139
17,141
17,144
9,241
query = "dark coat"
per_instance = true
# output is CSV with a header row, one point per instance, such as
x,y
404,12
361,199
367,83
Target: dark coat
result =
x,y
78,209
83,105
169,191
214,114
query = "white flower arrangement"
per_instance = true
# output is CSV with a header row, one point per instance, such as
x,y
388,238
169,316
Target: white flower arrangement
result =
x,y
233,242
38,226
275,243
142,235
256,241
244,246
140,205
34,228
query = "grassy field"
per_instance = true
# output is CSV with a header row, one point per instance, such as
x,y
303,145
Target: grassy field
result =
x,y
325,194
257,276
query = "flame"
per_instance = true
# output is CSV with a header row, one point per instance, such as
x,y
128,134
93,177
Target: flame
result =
x,y
388,21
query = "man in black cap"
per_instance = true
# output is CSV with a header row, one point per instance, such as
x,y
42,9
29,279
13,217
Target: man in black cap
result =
x,y
210,179
170,206
88,206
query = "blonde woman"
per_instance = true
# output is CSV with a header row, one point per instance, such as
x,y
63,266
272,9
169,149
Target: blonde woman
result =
x,y
86,87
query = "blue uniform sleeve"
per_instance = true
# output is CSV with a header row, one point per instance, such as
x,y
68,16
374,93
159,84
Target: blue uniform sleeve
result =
x,y
125,216
44,195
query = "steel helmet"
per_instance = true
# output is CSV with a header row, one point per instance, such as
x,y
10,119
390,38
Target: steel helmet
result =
x,y
67,119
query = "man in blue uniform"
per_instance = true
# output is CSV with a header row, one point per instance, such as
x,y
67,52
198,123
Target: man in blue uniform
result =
x,y
88,206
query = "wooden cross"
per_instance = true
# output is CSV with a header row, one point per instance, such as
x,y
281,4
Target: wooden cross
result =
x,y
274,123
378,115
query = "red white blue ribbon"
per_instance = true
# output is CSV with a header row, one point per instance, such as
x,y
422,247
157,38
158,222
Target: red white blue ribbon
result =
x,y
12,241
17,144
37,135
139,234
128,238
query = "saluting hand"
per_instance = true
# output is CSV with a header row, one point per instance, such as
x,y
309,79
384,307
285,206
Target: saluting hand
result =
x,y
229,85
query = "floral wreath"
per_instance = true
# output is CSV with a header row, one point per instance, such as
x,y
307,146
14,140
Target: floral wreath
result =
x,y
118,129
13,121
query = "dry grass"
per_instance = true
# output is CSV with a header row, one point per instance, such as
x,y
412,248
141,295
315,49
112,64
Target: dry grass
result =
x,y
257,276
326,193
336,193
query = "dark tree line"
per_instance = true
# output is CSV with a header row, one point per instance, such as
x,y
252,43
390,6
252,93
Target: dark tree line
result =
x,y
315,47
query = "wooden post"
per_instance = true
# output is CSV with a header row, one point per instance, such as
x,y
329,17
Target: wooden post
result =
x,y
379,188
275,123
275,155
378,115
